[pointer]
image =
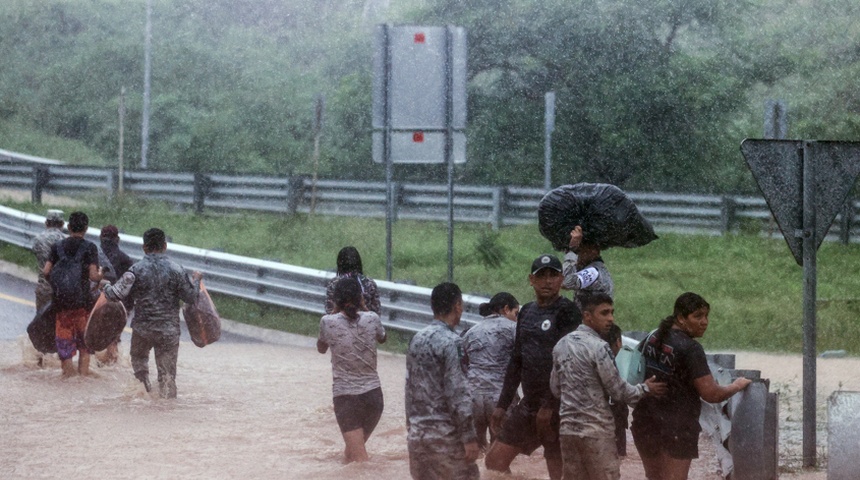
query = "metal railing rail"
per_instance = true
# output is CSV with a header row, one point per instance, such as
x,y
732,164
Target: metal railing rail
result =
x,y
496,206
404,307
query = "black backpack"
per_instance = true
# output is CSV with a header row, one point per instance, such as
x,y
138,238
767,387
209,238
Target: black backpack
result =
x,y
71,290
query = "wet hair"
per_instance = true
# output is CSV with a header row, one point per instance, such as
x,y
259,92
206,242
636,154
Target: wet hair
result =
x,y
685,304
590,301
497,304
444,297
347,297
614,334
78,222
348,261
153,239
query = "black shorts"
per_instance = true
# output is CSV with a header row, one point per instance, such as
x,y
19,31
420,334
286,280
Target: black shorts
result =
x,y
520,431
679,443
359,411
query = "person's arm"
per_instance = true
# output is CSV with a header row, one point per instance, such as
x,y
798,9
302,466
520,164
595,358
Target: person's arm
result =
x,y
554,386
121,289
53,256
330,307
712,392
513,374
189,286
569,271
322,344
455,389
372,292
381,334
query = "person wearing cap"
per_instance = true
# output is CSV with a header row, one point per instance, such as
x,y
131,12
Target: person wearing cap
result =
x,y
534,420
157,284
119,263
584,270
42,244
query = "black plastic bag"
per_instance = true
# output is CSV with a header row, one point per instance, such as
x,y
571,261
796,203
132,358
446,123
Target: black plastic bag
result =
x,y
42,330
607,215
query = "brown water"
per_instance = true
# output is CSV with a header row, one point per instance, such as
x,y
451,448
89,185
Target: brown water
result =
x,y
243,411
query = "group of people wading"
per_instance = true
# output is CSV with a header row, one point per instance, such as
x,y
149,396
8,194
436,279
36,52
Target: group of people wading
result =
x,y
559,352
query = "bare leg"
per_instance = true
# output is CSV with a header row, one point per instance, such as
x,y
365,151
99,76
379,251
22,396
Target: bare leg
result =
x,y
111,354
68,368
653,466
664,467
500,455
555,467
674,468
84,365
355,450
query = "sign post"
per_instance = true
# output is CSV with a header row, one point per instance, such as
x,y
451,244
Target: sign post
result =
x,y
419,108
549,127
805,184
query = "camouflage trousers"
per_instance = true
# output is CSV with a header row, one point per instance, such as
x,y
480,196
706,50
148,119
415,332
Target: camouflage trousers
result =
x,y
445,463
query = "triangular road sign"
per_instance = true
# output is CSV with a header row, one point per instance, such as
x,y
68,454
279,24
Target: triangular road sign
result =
x,y
777,166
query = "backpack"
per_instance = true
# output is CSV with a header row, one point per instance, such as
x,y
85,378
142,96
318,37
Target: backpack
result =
x,y
104,262
71,290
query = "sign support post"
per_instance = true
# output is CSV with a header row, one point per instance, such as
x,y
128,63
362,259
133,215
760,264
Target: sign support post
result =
x,y
419,108
810,279
805,184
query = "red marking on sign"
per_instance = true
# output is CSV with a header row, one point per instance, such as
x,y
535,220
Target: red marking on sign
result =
x,y
418,137
420,38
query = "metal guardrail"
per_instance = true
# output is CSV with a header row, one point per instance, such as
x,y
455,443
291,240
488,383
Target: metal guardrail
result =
x,y
496,206
404,307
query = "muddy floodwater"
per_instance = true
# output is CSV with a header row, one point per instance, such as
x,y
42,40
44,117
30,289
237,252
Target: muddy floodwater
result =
x,y
251,410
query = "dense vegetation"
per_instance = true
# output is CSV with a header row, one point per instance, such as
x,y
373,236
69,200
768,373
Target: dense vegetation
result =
x,y
651,95
752,283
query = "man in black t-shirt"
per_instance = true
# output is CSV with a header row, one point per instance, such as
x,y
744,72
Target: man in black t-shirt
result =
x,y
73,310
534,421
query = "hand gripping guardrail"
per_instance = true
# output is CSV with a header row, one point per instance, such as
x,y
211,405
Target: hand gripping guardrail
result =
x,y
404,307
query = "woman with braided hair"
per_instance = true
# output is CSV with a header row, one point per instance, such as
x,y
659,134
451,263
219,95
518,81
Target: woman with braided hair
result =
x,y
352,334
666,429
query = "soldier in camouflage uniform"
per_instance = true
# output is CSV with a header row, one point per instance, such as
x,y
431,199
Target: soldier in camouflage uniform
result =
x,y
441,435
42,244
584,270
156,284
488,347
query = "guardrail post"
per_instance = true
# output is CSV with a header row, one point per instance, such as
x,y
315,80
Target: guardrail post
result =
x,y
202,185
846,216
727,214
499,201
295,193
112,178
41,177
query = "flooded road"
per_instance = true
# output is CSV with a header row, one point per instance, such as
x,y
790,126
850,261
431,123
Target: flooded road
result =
x,y
249,409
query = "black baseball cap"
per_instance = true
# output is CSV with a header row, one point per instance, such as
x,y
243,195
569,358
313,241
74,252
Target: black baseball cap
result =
x,y
546,261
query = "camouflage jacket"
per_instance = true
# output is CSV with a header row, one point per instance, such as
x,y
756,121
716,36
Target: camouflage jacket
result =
x,y
42,244
438,404
584,376
488,346
156,284
592,278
